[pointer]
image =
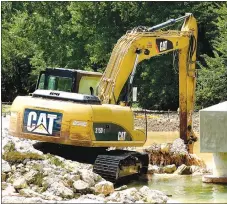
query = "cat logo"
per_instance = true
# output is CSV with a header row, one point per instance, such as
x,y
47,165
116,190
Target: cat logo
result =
x,y
163,45
38,122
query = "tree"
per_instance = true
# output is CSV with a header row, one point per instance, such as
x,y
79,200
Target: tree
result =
x,y
212,81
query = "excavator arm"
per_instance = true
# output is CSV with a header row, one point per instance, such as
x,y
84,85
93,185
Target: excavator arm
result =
x,y
136,46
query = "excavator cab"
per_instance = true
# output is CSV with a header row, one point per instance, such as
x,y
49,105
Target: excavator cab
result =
x,y
68,80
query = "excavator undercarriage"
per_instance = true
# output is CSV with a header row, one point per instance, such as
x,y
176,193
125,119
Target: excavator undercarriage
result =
x,y
117,164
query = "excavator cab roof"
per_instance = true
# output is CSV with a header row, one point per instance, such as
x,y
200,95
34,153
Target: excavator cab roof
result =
x,y
68,80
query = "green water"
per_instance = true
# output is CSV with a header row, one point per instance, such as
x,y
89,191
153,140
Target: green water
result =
x,y
185,189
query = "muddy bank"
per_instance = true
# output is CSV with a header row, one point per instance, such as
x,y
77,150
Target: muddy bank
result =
x,y
164,122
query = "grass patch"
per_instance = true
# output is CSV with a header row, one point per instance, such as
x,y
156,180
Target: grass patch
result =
x,y
55,161
39,179
13,156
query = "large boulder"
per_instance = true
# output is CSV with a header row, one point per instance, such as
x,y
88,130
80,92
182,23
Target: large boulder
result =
x,y
59,189
20,183
88,177
31,176
154,169
26,192
49,180
130,195
80,186
153,196
178,147
169,169
5,166
183,170
8,190
104,187
165,148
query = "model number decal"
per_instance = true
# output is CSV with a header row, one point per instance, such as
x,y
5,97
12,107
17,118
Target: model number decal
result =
x,y
121,136
99,130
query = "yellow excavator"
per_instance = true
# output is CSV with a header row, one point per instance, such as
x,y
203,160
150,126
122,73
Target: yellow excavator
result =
x,y
81,108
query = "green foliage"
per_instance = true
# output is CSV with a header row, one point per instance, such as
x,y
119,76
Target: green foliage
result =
x,y
81,35
212,80
39,181
6,109
54,160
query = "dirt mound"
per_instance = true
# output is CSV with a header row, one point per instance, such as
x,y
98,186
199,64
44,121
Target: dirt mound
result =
x,y
164,122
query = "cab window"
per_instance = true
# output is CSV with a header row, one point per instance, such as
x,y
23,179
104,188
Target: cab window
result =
x,y
55,83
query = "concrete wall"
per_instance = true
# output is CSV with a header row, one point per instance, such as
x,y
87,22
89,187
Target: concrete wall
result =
x,y
213,128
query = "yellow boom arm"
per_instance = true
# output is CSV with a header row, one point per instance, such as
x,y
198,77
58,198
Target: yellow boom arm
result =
x,y
135,47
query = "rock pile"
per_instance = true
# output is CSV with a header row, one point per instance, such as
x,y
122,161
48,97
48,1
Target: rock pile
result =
x,y
164,122
29,176
175,153
174,158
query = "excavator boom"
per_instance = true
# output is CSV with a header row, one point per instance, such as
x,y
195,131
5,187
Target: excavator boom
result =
x,y
137,46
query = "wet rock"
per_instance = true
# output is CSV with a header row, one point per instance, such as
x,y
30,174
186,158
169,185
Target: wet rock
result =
x,y
121,188
5,166
183,170
154,169
169,169
81,186
104,187
194,169
20,183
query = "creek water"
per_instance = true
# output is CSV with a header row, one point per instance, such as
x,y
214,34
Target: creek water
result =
x,y
183,188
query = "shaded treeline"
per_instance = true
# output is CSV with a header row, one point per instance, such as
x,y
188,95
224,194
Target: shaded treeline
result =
x,y
81,35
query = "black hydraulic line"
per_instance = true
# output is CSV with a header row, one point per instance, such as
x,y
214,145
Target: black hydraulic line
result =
x,y
168,23
146,122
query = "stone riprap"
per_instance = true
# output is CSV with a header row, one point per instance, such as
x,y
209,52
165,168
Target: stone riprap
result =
x,y
29,176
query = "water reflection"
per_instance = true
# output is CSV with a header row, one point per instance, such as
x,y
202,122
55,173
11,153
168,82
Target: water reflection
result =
x,y
185,189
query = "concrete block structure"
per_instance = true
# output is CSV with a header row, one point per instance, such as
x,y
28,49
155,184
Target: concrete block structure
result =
x,y
213,139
